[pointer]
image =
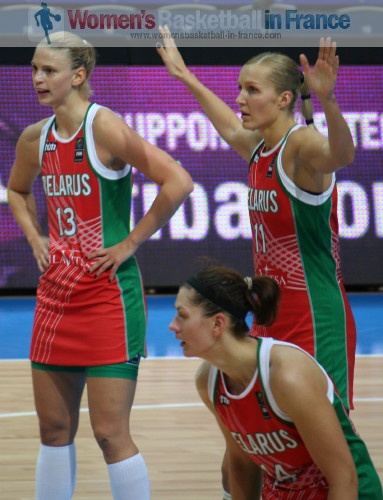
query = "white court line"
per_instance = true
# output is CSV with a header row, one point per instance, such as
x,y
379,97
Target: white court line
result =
x,y
135,407
167,358
171,405
164,406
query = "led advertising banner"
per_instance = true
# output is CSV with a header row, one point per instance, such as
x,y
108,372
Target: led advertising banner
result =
x,y
214,221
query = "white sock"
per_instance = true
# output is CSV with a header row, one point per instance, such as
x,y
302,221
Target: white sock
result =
x,y
129,479
226,495
56,472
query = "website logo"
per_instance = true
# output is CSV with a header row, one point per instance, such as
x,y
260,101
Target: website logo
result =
x,y
45,20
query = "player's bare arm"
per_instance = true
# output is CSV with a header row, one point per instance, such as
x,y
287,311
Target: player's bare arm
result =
x,y
114,139
24,171
300,390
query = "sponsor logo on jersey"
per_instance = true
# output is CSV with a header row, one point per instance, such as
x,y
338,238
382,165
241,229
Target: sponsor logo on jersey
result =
x,y
271,167
223,400
255,160
262,405
50,146
79,150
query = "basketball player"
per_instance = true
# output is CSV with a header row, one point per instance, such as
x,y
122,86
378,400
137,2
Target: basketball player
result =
x,y
90,319
285,426
292,196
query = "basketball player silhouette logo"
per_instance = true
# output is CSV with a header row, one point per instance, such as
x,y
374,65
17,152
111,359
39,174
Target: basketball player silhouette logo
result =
x,y
45,16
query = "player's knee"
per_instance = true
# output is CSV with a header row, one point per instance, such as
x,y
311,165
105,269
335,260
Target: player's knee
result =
x,y
56,431
109,437
113,439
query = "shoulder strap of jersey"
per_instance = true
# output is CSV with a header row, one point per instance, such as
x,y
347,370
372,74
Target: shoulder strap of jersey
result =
x,y
260,144
284,139
95,163
91,113
263,359
212,382
256,151
291,129
43,136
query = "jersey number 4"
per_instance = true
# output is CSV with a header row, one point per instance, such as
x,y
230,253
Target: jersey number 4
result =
x,y
280,474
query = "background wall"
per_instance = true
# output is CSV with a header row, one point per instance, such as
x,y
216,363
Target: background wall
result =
x,y
214,220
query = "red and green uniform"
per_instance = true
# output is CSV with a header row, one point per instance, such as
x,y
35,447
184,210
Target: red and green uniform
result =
x,y
296,242
81,320
270,439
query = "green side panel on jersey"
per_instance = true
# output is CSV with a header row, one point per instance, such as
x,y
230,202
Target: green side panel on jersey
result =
x,y
324,292
116,210
115,202
369,485
116,198
314,236
129,280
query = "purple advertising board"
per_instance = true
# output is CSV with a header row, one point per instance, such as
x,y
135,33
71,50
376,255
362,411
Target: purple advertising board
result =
x,y
231,3
214,221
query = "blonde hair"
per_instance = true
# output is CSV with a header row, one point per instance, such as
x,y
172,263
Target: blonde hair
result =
x,y
285,74
81,54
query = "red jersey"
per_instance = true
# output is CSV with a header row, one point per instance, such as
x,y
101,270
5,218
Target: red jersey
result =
x,y
296,242
81,320
270,439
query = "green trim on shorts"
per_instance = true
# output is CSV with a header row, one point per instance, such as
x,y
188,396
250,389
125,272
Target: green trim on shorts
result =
x,y
128,370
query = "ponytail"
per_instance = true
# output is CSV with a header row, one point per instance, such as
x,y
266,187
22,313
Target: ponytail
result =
x,y
263,297
219,289
307,109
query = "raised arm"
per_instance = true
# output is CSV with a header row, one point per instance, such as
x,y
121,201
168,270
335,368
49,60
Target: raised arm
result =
x,y
21,200
224,119
117,140
299,388
245,476
326,155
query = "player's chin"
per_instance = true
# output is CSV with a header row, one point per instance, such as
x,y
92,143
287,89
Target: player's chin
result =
x,y
43,100
186,350
247,124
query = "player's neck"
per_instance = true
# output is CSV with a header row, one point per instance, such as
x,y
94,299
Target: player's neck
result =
x,y
240,364
69,117
274,134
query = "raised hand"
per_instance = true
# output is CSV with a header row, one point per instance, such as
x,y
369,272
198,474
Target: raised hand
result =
x,y
170,54
321,78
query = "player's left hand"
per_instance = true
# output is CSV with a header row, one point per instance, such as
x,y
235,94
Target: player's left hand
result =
x,y
321,78
110,258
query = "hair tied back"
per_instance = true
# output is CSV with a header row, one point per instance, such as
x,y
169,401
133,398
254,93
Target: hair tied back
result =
x,y
249,282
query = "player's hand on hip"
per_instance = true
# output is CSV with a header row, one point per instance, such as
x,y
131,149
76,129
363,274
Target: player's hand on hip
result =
x,y
110,258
